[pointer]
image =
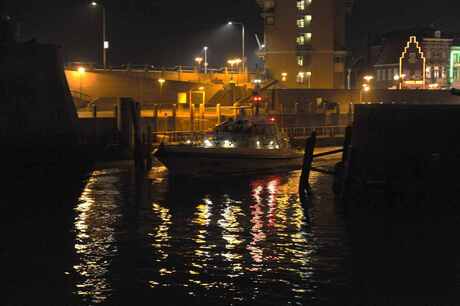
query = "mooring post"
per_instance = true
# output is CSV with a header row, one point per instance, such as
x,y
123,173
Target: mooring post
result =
x,y
94,118
149,146
138,151
155,122
304,186
192,119
202,110
218,113
124,123
346,144
174,122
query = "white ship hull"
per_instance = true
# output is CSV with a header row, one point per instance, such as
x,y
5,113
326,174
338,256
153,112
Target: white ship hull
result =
x,y
203,162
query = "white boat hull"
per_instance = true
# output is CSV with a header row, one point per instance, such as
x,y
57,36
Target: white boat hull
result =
x,y
203,162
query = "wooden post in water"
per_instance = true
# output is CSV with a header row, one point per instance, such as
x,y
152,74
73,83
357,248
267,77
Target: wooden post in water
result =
x,y
149,146
202,110
155,122
218,113
95,127
346,144
174,122
124,123
192,119
138,148
304,186
115,123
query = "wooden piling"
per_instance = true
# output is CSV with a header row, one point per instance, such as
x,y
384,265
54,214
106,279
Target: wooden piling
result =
x,y
192,119
149,146
139,160
346,144
174,122
202,111
304,186
124,123
155,123
218,114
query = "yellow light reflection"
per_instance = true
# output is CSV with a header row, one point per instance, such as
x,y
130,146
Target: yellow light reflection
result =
x,y
95,221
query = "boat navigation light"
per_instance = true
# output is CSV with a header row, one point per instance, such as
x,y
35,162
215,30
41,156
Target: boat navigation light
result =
x,y
208,143
228,144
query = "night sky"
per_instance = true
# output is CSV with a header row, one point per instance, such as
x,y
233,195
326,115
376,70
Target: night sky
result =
x,y
168,33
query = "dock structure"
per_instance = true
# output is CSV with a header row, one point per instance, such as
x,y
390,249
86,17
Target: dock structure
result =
x,y
399,148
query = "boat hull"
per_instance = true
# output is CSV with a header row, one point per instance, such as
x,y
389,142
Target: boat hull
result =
x,y
202,162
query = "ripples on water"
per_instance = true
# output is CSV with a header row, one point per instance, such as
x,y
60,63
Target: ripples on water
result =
x,y
242,241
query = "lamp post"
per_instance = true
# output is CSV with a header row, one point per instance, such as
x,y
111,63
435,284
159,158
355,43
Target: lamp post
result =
x,y
105,42
308,74
81,72
364,88
400,80
205,59
242,43
199,60
161,81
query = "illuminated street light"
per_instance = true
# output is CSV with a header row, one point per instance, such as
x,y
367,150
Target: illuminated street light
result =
x,y
81,72
161,81
308,74
368,78
205,59
231,23
365,88
105,42
284,76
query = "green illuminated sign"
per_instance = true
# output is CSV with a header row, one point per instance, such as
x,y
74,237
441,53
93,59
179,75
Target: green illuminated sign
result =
x,y
454,63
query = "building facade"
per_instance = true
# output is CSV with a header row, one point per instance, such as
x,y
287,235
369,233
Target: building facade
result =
x,y
423,59
305,42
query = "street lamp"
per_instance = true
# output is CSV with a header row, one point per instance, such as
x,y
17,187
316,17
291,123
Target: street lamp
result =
x,y
205,59
199,60
230,23
161,81
368,78
400,80
284,76
105,42
309,78
81,72
364,88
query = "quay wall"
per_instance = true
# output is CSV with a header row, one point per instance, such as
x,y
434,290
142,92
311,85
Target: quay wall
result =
x,y
306,100
37,107
143,86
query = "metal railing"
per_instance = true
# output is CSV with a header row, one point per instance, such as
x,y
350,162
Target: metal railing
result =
x,y
321,131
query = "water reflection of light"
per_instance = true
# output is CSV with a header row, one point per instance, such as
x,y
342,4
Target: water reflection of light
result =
x,y
231,231
203,252
161,242
97,216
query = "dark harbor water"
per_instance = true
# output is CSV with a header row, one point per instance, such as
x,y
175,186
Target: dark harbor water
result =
x,y
121,240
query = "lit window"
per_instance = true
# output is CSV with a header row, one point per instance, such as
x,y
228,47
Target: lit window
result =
x,y
436,72
301,77
301,40
307,36
300,60
428,72
301,5
301,23
308,19
395,72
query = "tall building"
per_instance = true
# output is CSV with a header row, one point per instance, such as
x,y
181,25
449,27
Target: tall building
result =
x,y
305,42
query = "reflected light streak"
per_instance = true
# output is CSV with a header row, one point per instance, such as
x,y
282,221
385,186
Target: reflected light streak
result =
x,y
95,221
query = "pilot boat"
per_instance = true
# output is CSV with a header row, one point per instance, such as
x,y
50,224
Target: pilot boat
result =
x,y
241,146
